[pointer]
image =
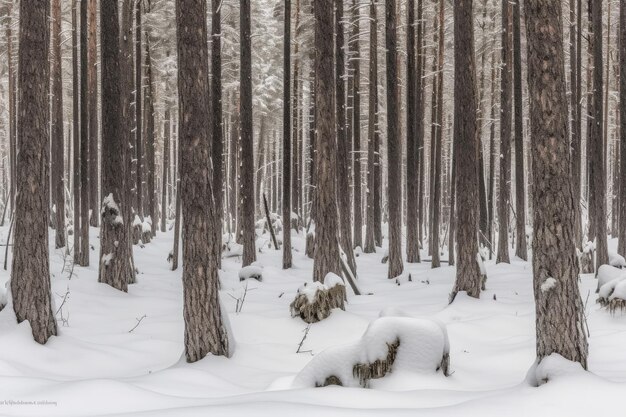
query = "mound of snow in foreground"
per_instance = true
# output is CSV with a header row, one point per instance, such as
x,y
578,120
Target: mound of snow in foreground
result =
x,y
422,347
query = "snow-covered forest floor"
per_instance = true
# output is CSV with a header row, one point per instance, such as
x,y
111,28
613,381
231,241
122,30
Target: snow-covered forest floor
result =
x,y
98,366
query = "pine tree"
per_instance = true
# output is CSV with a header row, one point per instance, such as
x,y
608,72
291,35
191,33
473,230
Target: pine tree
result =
x,y
466,142
597,171
555,265
622,129
326,228
286,165
57,186
246,197
394,144
370,243
520,183
116,267
505,137
205,328
30,274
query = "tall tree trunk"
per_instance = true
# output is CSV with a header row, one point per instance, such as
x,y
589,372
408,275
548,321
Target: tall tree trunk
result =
x,y
412,173
555,265
419,123
370,245
286,162
326,238
83,259
30,273
247,138
76,224
166,167
453,203
116,266
355,62
394,144
622,131
12,107
57,184
576,111
492,151
520,183
92,75
138,114
217,135
597,173
436,204
466,142
205,328
150,141
505,137
343,140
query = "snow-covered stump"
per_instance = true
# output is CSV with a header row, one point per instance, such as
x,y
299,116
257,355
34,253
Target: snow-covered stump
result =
x,y
315,301
146,230
254,271
390,344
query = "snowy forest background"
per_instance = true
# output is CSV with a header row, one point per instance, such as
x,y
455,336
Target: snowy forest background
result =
x,y
315,206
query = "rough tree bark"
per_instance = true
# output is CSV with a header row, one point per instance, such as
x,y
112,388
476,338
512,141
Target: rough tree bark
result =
x,y
138,114
622,94
466,142
355,63
246,195
438,142
505,137
75,138
30,273
205,328
520,183
166,167
597,171
150,140
217,133
576,111
116,266
394,144
343,140
57,183
412,168
83,259
286,162
326,258
92,87
555,265
370,244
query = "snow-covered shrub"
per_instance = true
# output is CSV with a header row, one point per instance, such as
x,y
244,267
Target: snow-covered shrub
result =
x,y
254,271
233,249
388,345
315,301
611,288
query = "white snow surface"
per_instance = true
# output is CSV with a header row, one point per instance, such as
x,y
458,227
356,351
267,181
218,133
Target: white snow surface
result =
x,y
422,345
616,260
95,367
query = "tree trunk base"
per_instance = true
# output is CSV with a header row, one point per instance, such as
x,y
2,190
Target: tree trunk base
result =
x,y
317,308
